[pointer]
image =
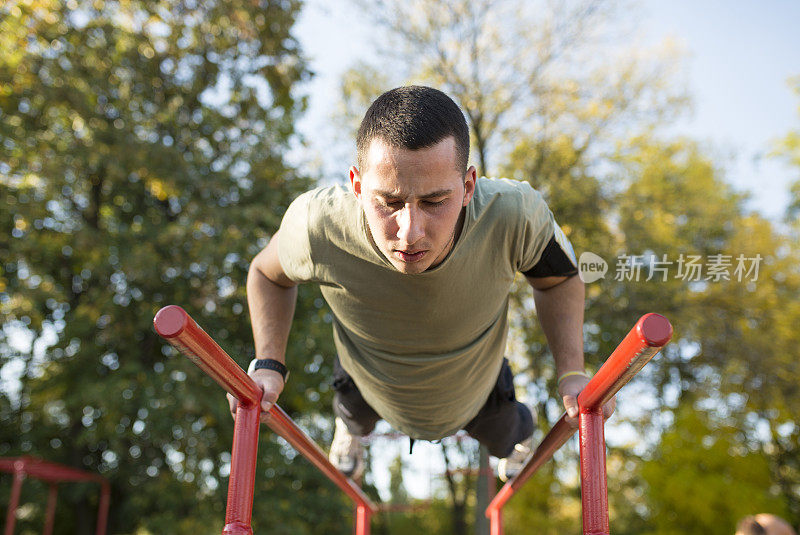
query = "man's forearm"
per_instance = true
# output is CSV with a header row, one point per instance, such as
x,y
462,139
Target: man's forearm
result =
x,y
560,312
271,311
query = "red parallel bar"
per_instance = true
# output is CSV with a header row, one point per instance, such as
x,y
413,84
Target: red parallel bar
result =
x,y
185,335
280,422
594,489
642,343
648,336
241,483
50,515
495,522
362,520
180,330
102,512
53,473
13,502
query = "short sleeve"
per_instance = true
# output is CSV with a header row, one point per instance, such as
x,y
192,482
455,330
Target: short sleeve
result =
x,y
294,248
536,227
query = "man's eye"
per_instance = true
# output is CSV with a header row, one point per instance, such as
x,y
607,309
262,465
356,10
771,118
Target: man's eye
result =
x,y
433,203
394,204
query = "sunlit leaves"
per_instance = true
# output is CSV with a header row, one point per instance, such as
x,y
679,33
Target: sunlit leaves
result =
x,y
141,153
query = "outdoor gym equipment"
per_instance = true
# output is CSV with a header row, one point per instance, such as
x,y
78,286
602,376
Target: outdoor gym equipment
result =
x,y
642,343
53,474
180,330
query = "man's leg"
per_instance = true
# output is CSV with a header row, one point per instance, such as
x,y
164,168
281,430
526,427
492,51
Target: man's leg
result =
x,y
503,422
349,406
354,419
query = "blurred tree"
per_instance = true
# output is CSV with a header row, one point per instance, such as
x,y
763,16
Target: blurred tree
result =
x,y
789,149
704,477
460,481
141,161
401,515
397,489
733,352
778,388
522,69
549,503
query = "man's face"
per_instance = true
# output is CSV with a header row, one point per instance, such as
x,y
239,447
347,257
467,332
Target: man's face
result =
x,y
412,200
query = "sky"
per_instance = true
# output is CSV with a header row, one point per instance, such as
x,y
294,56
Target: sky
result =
x,y
738,57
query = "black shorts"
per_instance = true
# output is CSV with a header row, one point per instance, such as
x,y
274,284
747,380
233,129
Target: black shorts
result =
x,y
501,423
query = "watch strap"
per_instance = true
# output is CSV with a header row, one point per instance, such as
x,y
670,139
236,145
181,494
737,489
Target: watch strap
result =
x,y
269,364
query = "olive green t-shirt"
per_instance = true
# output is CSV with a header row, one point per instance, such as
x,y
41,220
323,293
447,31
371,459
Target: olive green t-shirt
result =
x,y
424,349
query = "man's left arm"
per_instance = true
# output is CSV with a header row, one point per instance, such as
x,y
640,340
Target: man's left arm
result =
x,y
559,307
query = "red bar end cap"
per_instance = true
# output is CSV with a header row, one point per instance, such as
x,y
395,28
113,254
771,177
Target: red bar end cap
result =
x,y
170,321
655,329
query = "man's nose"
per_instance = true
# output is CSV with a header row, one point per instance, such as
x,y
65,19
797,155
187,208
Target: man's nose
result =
x,y
410,225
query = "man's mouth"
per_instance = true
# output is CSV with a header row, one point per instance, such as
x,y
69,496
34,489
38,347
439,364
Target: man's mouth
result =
x,y
409,256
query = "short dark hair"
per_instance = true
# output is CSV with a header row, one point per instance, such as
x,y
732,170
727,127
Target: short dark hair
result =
x,y
413,117
750,526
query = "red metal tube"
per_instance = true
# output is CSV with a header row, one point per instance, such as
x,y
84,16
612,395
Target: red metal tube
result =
x,y
50,515
363,515
102,511
180,330
556,438
243,471
594,490
53,473
281,423
13,502
496,522
648,336
641,344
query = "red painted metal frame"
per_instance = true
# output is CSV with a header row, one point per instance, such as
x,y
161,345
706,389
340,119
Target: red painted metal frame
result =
x,y
180,330
643,342
52,473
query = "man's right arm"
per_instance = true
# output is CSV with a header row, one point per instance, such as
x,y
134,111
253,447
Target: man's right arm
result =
x,y
271,298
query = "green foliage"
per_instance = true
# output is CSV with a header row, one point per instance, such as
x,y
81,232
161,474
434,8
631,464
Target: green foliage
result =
x,y
141,158
789,150
733,345
705,477
399,494
142,161
545,502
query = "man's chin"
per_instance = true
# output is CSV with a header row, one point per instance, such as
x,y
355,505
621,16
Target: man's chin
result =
x,y
409,267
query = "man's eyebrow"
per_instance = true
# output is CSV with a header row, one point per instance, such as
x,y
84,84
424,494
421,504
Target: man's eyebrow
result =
x,y
432,195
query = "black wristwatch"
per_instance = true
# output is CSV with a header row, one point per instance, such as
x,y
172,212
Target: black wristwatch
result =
x,y
269,364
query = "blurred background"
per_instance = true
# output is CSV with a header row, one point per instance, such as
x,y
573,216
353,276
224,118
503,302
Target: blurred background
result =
x,y
148,150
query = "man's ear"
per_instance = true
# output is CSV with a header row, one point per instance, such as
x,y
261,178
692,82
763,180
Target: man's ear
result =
x,y
469,184
355,182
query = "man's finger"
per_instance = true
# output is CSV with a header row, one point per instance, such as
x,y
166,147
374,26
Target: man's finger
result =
x,y
571,406
233,403
268,399
609,407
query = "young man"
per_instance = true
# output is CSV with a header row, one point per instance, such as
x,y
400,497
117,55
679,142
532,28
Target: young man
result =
x,y
416,260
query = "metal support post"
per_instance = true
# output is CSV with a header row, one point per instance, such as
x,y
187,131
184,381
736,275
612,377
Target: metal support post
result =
x,y
50,515
594,491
